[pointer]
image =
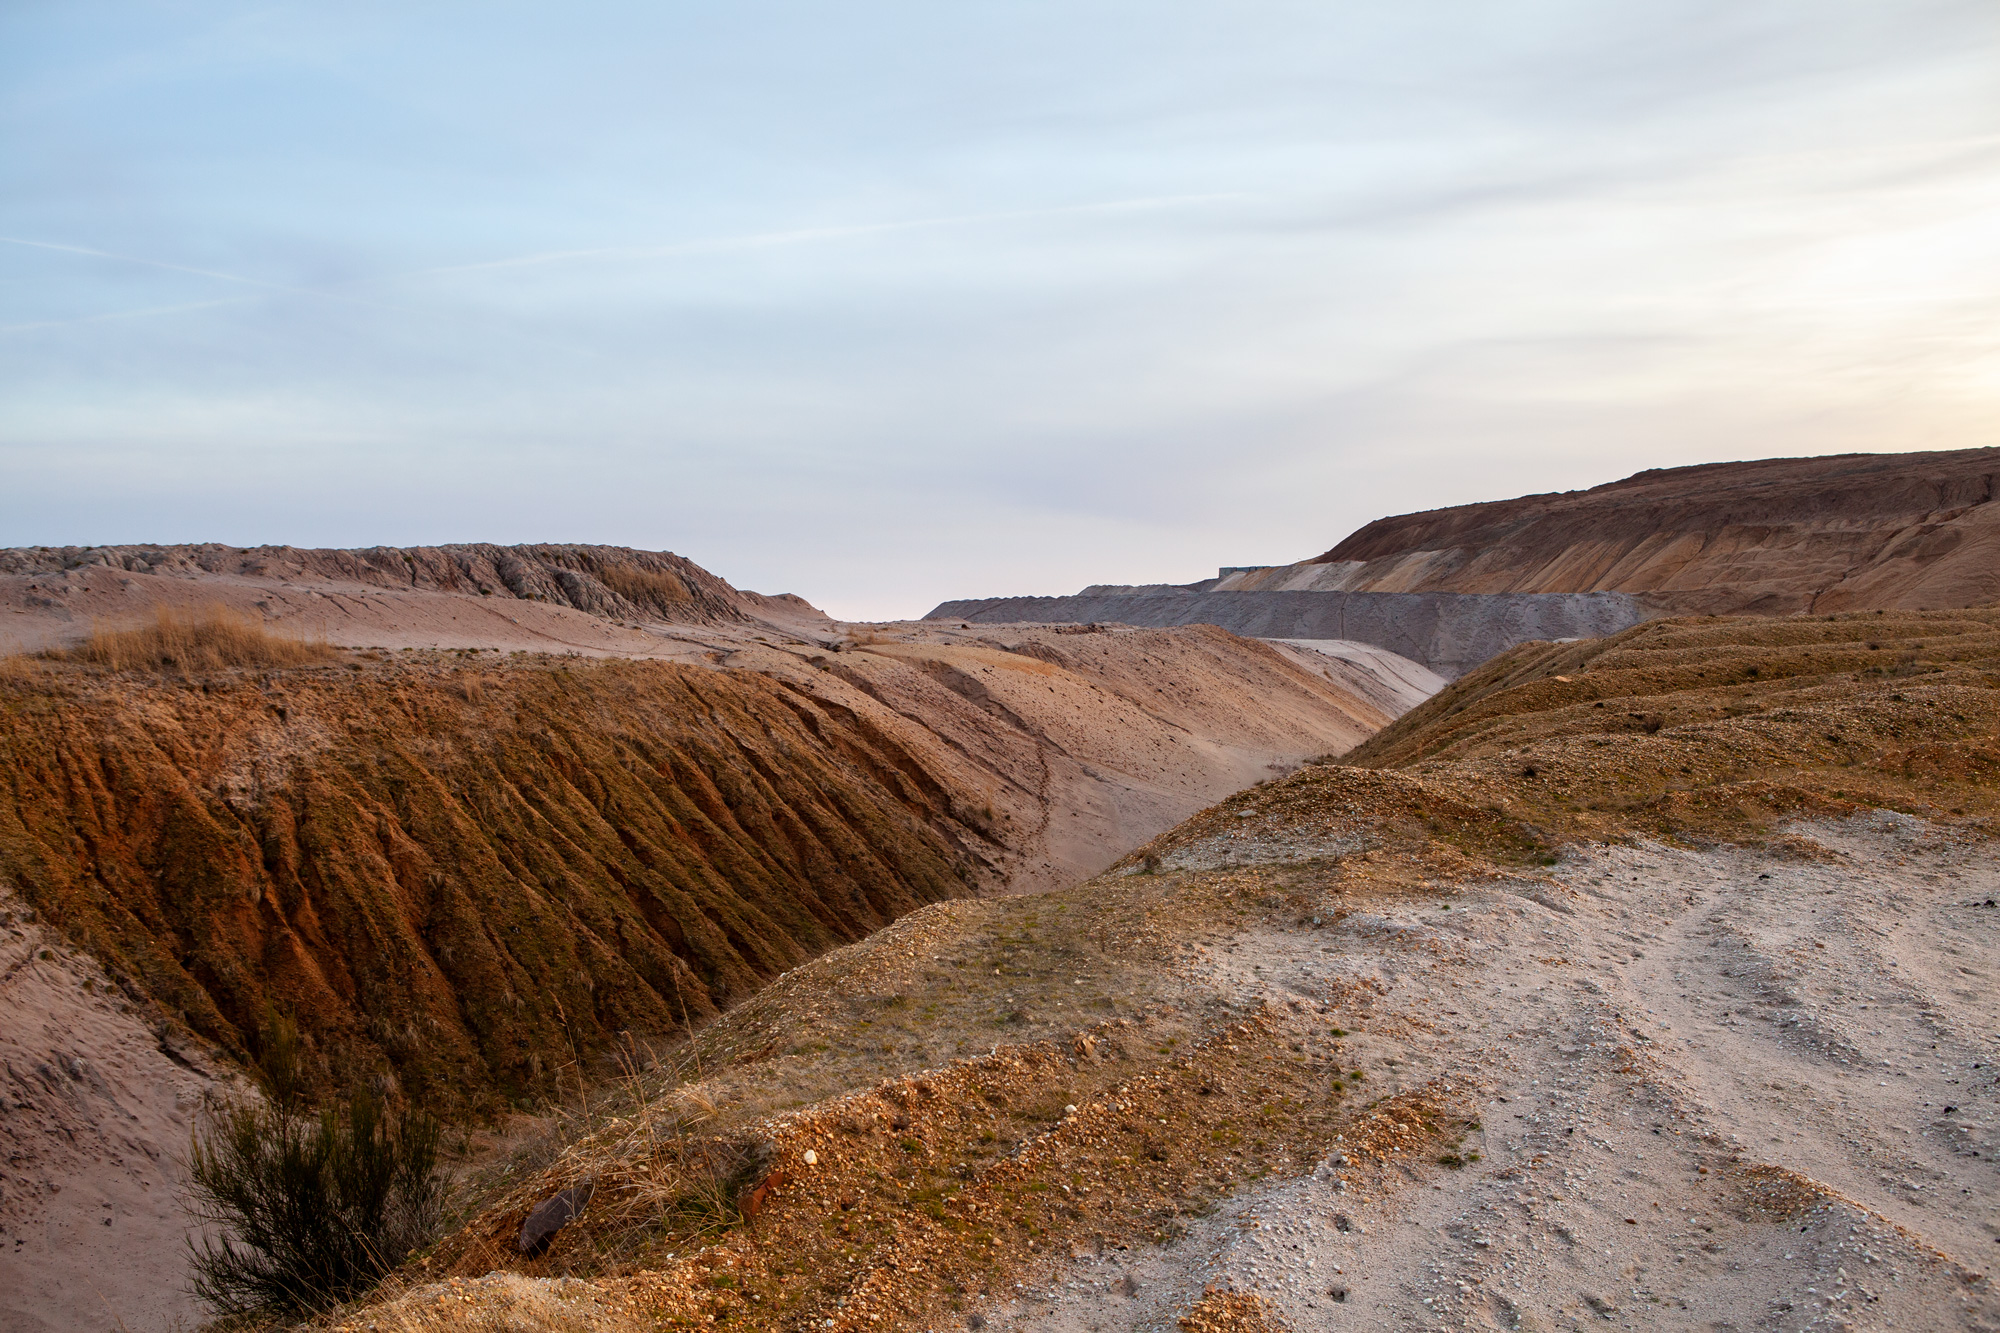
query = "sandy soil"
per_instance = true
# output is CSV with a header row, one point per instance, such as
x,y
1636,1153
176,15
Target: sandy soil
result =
x,y
1652,1088
1392,683
1089,743
1132,730
1717,1090
41,611
96,1105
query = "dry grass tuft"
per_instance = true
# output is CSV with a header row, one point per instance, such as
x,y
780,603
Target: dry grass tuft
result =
x,y
644,587
203,641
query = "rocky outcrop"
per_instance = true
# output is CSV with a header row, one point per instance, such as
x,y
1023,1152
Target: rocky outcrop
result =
x,y
1776,536
1445,632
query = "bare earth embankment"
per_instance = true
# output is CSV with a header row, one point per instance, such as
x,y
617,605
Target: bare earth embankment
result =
x,y
1453,587
461,870
1848,532
1644,983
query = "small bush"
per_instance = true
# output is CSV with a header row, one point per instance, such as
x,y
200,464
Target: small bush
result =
x,y
315,1208
204,641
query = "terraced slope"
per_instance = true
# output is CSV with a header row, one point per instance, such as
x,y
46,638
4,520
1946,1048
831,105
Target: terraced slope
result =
x,y
1646,981
1773,536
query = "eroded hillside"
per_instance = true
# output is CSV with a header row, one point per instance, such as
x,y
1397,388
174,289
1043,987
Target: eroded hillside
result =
x,y
595,600
463,873
1646,981
1775,536
461,866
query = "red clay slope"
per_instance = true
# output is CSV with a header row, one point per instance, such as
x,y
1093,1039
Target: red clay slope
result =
x,y
1849,532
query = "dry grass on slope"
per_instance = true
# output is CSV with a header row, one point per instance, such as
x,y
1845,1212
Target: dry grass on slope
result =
x,y
898,1132
910,1127
1720,728
459,879
209,640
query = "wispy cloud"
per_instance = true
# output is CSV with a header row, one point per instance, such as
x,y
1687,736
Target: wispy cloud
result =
x,y
922,299
218,275
764,240
143,312
326,292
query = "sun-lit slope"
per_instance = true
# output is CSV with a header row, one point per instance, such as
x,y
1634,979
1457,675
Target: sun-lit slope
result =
x,y
1553,982
1098,740
1685,724
466,868
459,873
1850,532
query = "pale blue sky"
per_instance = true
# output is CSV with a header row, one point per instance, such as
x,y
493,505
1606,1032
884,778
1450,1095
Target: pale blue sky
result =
x,y
885,303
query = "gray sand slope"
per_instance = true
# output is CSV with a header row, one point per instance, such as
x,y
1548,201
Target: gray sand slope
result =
x,y
1719,1090
1448,632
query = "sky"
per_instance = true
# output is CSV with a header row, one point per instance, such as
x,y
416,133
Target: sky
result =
x,y
887,303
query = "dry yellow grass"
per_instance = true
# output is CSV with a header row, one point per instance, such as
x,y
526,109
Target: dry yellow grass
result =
x,y
202,641
1044,1085
660,592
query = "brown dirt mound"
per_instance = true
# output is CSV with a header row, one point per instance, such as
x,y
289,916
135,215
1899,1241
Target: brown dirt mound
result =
x,y
610,581
1719,727
952,1186
1849,532
464,878
469,872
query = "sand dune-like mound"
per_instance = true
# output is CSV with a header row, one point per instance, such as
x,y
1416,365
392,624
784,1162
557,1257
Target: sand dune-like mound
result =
x,y
1850,532
596,600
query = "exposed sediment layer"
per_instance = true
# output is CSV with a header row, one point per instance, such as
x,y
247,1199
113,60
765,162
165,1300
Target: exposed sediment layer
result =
x,y
1642,982
592,600
466,874
1850,532
1449,633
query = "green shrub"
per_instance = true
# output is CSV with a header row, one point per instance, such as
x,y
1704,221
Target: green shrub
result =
x,y
314,1209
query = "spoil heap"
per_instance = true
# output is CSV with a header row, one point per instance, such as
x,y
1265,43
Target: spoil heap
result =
x,y
467,874
1651,974
1773,536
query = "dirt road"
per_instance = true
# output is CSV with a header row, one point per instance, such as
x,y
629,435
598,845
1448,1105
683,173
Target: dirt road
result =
x,y
1718,1089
